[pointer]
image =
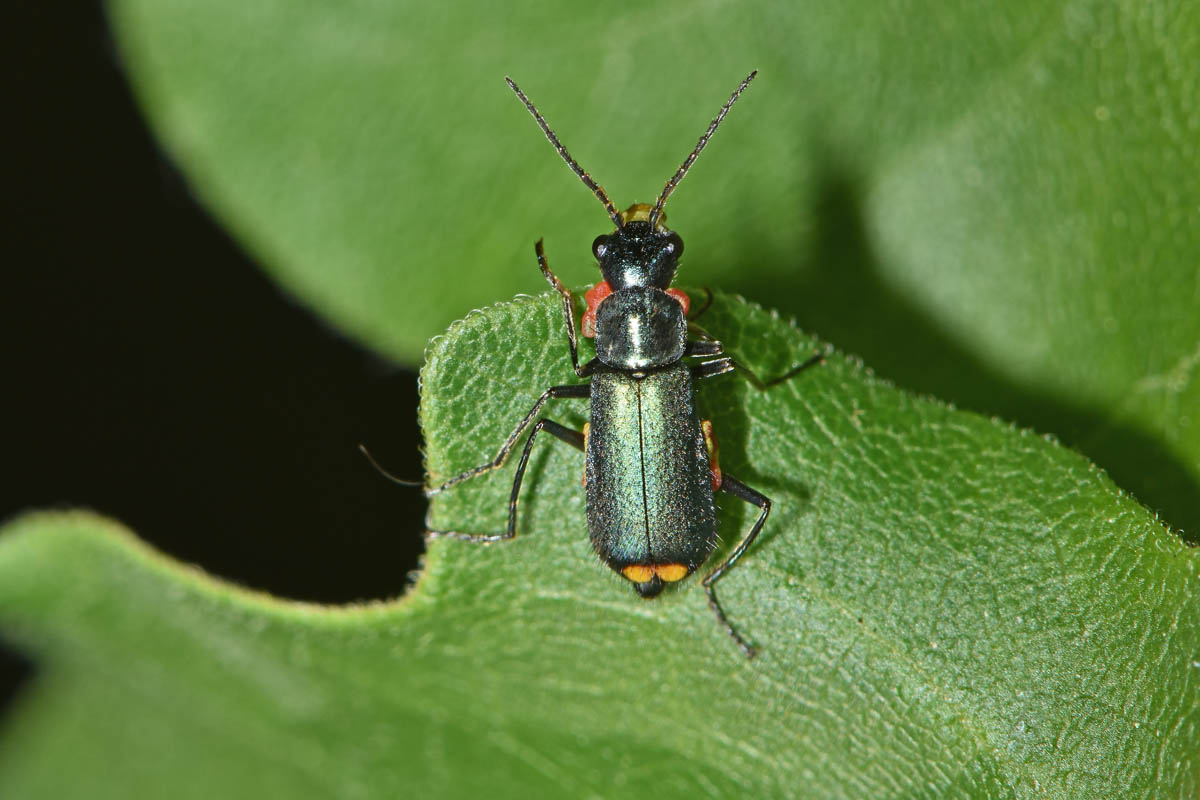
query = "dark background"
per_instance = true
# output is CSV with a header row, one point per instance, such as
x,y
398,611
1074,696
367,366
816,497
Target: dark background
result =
x,y
151,371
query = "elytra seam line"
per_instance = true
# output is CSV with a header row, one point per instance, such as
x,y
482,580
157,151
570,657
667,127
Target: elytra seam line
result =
x,y
642,468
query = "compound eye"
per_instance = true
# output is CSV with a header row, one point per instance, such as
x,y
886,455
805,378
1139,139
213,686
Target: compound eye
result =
x,y
675,245
600,246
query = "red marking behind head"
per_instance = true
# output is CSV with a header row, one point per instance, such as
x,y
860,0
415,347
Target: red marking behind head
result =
x,y
594,297
681,297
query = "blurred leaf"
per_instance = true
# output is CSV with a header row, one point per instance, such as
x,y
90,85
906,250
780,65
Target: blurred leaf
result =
x,y
946,606
992,205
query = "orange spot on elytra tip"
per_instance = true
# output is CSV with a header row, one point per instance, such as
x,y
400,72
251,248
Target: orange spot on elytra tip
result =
x,y
671,572
638,573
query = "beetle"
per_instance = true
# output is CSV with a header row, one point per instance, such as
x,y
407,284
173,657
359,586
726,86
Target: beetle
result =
x,y
651,468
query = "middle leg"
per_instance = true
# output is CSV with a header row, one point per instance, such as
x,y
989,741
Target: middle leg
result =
x,y
568,435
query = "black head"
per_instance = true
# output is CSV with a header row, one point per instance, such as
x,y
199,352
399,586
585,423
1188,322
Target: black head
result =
x,y
641,252
637,253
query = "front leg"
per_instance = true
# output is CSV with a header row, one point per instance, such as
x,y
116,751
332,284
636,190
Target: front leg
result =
x,y
568,304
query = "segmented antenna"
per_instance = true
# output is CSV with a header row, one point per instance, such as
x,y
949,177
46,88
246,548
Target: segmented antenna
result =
x,y
562,151
687,162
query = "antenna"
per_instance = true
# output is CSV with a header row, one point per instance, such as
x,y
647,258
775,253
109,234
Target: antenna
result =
x,y
687,162
572,163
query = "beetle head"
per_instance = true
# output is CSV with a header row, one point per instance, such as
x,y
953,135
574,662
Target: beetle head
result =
x,y
639,253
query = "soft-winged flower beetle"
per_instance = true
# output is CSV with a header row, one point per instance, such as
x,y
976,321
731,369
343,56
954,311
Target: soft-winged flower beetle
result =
x,y
651,466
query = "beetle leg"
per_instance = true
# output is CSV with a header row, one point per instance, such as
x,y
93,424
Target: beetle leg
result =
x,y
696,330
703,348
570,390
568,306
571,437
708,300
740,490
711,369
362,448
720,366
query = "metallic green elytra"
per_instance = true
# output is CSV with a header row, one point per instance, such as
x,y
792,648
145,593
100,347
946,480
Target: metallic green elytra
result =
x,y
649,485
651,469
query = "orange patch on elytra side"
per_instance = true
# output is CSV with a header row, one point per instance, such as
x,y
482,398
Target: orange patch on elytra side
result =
x,y
710,444
638,573
587,428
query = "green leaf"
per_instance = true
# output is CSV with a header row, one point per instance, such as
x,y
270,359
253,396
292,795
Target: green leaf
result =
x,y
945,605
991,205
